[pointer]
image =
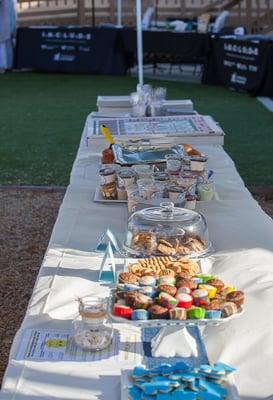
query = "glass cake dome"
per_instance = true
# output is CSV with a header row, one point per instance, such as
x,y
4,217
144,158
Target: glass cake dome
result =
x,y
167,231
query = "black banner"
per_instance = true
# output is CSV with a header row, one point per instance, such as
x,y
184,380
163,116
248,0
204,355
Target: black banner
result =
x,y
70,49
240,65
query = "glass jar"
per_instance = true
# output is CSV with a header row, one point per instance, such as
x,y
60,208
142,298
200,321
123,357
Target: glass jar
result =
x,y
167,230
92,329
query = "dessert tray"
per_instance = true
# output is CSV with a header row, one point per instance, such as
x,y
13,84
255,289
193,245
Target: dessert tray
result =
x,y
98,198
203,265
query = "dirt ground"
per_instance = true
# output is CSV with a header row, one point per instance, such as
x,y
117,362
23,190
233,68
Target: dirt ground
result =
x,y
26,221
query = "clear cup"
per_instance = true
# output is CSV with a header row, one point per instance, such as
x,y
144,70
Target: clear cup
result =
x,y
205,191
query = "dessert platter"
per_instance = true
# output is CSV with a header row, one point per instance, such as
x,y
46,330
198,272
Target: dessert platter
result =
x,y
164,291
178,174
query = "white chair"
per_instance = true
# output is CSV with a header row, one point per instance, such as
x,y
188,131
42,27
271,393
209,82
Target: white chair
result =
x,y
220,21
147,17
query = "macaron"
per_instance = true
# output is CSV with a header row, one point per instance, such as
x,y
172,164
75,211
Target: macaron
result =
x,y
178,313
196,313
140,314
122,311
147,280
184,300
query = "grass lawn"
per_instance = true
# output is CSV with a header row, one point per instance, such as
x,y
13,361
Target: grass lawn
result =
x,y
42,117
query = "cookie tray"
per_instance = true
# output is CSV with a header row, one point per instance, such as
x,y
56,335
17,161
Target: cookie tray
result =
x,y
125,383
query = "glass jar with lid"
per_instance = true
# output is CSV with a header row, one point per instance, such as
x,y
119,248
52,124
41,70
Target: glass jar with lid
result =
x,y
167,230
92,329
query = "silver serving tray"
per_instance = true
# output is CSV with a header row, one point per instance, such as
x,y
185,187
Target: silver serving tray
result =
x,y
129,155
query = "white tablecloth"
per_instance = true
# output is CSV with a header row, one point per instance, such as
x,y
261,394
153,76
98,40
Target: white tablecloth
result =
x,y
242,235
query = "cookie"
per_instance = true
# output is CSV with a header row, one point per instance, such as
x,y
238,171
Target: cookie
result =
x,y
128,277
236,297
158,312
170,289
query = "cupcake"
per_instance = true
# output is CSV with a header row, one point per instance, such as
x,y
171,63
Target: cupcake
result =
x,y
122,311
167,300
158,312
166,280
148,290
178,313
228,309
184,300
137,300
216,283
196,313
147,280
210,289
140,314
200,297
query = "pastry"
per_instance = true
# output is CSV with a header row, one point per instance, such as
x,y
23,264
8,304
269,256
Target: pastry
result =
x,y
128,277
170,289
122,311
184,300
109,191
178,313
216,283
107,175
196,313
139,314
236,297
158,312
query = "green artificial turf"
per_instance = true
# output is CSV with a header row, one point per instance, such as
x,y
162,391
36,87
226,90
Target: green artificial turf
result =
x,y
42,117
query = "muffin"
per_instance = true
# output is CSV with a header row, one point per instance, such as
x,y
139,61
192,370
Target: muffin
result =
x,y
182,282
137,300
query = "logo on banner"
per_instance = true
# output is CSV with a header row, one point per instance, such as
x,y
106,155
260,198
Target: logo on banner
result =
x,y
63,57
235,78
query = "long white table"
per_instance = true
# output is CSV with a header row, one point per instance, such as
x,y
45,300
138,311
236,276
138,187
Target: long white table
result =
x,y
242,235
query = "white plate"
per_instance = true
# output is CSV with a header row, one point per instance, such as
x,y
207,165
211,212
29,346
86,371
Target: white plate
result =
x,y
125,382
